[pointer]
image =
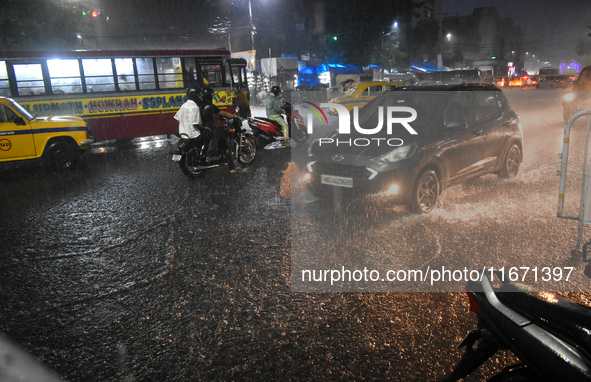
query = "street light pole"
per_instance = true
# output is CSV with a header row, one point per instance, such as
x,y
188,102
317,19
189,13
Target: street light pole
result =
x,y
251,24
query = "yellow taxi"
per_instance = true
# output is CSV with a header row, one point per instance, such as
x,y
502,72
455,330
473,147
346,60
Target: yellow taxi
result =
x,y
59,140
359,94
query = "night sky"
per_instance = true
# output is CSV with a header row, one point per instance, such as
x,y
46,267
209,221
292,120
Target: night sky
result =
x,y
549,26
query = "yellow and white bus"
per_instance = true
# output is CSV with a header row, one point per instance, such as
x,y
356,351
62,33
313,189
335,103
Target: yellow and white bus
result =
x,y
122,94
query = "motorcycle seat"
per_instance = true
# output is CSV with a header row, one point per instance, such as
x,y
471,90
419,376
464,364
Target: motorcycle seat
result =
x,y
268,120
565,318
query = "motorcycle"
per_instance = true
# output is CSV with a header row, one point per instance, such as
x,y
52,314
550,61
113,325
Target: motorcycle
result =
x,y
192,159
550,335
266,130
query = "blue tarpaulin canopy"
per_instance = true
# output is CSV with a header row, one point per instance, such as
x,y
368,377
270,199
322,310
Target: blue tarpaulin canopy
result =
x,y
423,66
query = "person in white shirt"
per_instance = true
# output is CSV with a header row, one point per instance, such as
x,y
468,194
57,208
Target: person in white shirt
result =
x,y
190,120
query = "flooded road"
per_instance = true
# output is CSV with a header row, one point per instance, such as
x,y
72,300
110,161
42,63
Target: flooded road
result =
x,y
125,270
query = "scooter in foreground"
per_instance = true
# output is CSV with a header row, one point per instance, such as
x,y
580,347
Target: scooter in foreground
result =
x,y
192,160
549,334
266,130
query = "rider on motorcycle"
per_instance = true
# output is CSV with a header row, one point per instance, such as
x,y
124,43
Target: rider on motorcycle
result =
x,y
190,119
220,138
274,112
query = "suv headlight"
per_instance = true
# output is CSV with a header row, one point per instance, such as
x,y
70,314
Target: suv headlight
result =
x,y
395,155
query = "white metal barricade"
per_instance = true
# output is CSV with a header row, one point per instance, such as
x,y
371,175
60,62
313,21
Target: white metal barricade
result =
x,y
584,216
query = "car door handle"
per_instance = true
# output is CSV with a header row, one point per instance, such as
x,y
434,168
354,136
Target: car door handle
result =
x,y
478,132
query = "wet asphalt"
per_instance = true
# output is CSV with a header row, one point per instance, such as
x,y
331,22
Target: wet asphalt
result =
x,y
123,269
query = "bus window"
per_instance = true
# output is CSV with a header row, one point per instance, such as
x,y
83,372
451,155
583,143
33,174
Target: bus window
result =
x,y
145,72
29,79
190,76
4,86
170,74
125,75
64,76
212,75
235,70
98,74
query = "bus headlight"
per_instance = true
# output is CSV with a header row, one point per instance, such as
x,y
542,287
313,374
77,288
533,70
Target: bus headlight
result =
x,y
569,97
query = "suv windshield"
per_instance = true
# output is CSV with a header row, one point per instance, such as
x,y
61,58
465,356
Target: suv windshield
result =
x,y
429,106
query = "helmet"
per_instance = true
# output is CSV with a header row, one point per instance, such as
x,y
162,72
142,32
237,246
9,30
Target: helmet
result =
x,y
192,93
207,94
276,90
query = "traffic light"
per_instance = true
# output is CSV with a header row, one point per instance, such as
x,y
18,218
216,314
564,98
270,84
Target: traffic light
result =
x,y
335,37
94,13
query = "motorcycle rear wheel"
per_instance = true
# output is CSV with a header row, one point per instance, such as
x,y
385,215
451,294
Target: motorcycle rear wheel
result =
x,y
189,164
248,151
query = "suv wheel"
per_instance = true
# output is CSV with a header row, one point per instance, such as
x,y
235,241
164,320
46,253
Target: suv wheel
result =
x,y
425,192
511,164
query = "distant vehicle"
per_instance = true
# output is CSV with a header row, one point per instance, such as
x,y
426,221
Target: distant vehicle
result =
x,y
555,82
515,81
501,82
59,140
533,80
451,77
548,71
462,131
402,79
359,94
578,99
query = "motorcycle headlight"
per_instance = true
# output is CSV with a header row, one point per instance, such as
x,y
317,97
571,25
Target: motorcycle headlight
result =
x,y
569,97
395,155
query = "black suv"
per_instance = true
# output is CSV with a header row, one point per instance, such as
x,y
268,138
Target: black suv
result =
x,y
459,132
578,99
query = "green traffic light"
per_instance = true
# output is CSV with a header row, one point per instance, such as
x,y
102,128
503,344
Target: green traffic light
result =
x,y
335,38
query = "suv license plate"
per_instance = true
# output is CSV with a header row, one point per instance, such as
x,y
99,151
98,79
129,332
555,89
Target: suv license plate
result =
x,y
176,158
338,181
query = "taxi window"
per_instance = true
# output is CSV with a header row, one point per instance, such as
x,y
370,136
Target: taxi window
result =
x,y
2,114
7,114
375,90
4,87
29,79
372,90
